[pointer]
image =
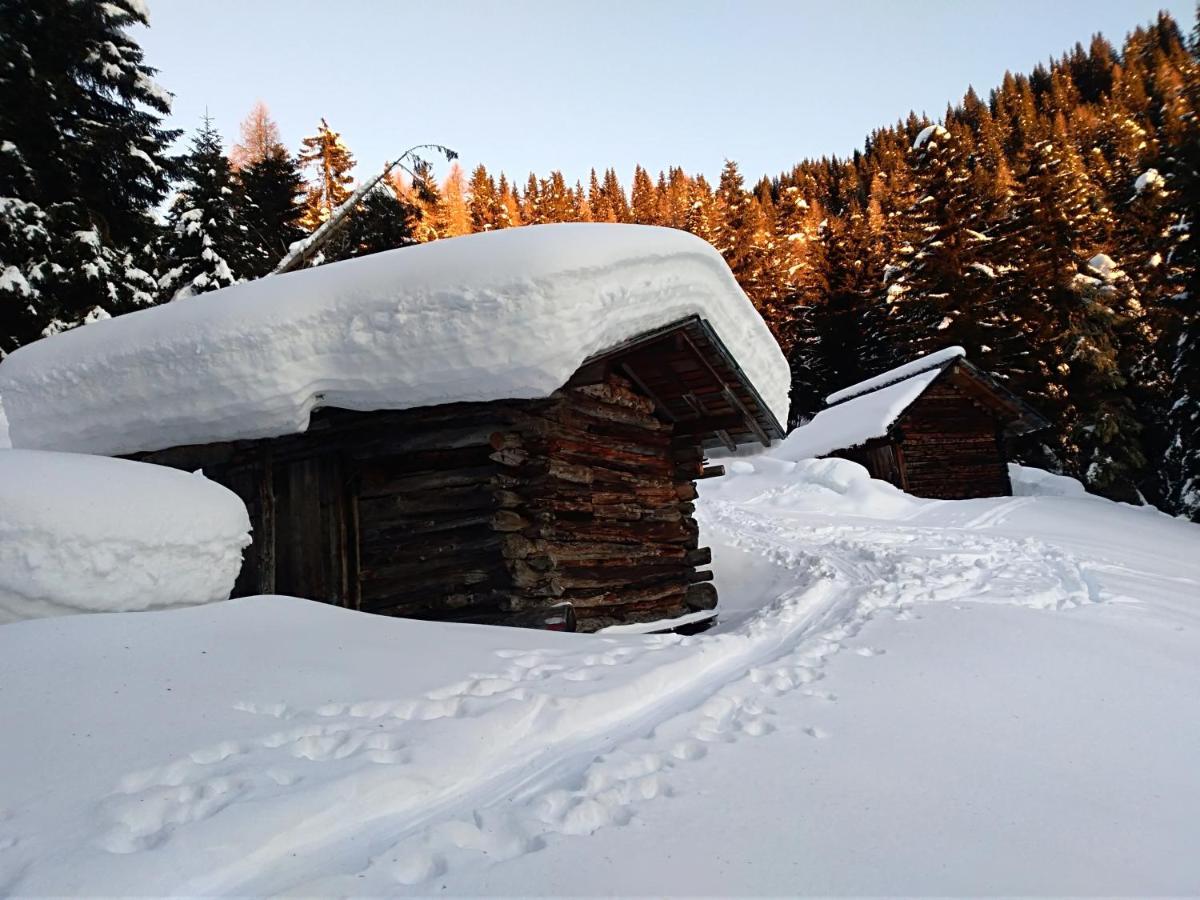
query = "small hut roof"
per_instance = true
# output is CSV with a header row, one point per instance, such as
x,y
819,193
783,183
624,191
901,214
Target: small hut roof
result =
x,y
508,314
867,411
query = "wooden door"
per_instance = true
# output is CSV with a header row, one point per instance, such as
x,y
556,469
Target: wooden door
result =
x,y
313,535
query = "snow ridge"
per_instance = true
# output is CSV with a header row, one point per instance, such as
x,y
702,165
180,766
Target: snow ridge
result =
x,y
932,360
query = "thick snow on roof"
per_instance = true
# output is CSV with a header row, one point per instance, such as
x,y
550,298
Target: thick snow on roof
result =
x,y
937,359
511,313
91,534
856,420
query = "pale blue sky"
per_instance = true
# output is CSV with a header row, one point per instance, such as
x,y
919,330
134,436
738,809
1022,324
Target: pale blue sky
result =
x,y
541,84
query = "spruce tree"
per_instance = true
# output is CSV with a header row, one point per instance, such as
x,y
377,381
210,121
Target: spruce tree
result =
x,y
484,204
202,248
739,228
644,199
1182,479
83,162
269,210
329,186
383,220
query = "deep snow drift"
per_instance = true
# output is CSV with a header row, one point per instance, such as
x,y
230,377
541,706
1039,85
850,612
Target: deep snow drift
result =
x,y
91,534
504,314
902,696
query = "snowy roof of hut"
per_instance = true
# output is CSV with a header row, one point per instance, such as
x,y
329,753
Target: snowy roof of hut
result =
x,y
866,411
507,314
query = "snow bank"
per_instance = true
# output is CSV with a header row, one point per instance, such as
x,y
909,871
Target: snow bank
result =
x,y
91,534
824,486
1030,482
933,360
855,421
511,313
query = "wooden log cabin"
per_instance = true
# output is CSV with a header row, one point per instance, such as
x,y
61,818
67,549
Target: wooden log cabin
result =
x,y
574,510
937,427
503,428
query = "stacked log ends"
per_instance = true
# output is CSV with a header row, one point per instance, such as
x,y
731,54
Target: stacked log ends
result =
x,y
606,489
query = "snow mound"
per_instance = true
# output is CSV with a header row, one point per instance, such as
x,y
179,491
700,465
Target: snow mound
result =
x,y
1030,482
90,534
507,314
856,420
4,441
937,359
825,486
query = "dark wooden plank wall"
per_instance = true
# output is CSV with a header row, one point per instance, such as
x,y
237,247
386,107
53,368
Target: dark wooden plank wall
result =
x,y
952,447
486,512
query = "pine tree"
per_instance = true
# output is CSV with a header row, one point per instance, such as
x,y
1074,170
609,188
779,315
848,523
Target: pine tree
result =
x,y
484,205
644,199
1182,341
941,291
329,186
269,209
739,229
83,163
384,220
202,249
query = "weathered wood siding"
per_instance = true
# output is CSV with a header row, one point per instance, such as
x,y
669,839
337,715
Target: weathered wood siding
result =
x,y
952,448
487,512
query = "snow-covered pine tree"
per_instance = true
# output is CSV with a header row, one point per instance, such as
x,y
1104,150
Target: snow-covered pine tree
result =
x,y
739,229
83,162
701,216
531,202
555,203
940,287
508,200
1106,437
1183,340
329,187
202,248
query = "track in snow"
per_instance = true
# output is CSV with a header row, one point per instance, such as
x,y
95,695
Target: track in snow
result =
x,y
553,741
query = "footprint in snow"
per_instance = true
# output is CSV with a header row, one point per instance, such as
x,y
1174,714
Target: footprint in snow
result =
x,y
815,731
870,651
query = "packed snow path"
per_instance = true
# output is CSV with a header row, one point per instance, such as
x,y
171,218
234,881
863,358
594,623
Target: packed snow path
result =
x,y
424,751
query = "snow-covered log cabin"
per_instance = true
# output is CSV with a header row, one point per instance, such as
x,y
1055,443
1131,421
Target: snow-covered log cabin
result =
x,y
935,427
485,429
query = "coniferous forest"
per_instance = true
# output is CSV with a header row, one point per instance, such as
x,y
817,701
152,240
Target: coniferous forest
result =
x,y
1048,226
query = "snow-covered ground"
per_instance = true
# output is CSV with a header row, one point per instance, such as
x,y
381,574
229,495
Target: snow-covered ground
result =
x,y
902,696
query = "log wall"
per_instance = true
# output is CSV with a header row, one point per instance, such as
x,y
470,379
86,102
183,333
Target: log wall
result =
x,y
951,448
486,512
